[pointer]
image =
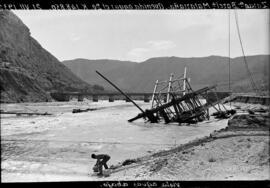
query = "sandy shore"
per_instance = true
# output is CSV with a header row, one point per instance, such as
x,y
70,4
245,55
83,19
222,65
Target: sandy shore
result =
x,y
238,152
233,158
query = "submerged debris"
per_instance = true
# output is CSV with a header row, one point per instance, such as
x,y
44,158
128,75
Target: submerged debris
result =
x,y
26,113
85,110
224,114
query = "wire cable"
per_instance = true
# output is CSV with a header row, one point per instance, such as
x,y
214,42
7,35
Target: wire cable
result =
x,y
253,85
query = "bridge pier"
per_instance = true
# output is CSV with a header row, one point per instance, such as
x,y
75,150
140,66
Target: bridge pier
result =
x,y
95,98
111,98
146,98
66,98
80,98
127,100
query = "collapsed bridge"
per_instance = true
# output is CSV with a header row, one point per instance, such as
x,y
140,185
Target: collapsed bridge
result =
x,y
182,104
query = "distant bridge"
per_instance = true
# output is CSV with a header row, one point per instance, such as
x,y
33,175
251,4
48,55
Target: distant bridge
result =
x,y
111,96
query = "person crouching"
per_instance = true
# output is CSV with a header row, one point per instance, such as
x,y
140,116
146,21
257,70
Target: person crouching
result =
x,y
102,160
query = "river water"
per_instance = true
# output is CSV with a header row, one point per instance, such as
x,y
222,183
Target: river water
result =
x,y
68,139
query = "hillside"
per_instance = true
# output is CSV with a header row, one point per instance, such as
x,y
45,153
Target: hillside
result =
x,y
203,71
85,69
28,71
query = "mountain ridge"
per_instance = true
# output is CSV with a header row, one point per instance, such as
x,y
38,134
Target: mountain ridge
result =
x,y
202,70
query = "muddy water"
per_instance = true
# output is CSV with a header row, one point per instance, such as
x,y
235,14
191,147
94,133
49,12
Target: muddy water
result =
x,y
67,140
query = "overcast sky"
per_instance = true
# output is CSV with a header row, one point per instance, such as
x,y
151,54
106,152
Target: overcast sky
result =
x,y
138,35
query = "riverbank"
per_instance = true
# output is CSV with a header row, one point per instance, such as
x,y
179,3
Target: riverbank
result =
x,y
238,152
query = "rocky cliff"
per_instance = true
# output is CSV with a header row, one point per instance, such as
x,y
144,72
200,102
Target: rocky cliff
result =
x,y
28,71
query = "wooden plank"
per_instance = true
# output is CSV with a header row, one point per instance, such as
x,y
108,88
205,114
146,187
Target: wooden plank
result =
x,y
164,115
119,90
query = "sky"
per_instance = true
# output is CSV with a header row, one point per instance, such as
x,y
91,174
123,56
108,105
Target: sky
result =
x,y
137,35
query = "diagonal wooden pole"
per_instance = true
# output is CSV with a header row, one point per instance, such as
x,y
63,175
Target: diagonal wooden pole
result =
x,y
119,90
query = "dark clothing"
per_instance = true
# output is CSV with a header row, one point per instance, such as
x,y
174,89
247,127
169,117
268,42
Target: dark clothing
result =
x,y
102,160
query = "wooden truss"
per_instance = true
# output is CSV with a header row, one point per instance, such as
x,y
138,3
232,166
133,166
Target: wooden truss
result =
x,y
179,105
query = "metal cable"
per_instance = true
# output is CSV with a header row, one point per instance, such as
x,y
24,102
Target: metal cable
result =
x,y
253,85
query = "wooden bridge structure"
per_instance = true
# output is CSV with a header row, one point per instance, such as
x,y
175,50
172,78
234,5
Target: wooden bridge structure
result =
x,y
95,97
